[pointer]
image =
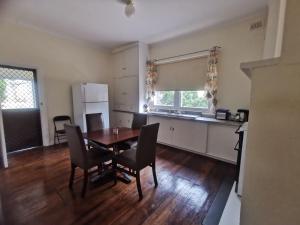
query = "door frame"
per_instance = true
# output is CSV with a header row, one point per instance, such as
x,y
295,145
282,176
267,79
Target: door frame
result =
x,y
42,101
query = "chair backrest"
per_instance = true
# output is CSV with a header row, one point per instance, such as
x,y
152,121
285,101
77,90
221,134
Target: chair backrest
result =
x,y
59,121
94,122
146,147
76,144
139,120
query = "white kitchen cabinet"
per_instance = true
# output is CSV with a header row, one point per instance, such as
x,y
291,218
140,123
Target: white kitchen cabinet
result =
x,y
118,64
189,135
126,62
122,119
210,139
165,132
129,71
131,61
221,141
184,134
125,93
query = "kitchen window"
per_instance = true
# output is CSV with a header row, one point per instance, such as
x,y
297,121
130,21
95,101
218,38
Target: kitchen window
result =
x,y
164,98
193,100
181,100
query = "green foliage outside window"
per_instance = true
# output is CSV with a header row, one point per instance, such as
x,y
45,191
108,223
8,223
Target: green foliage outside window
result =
x,y
188,99
193,99
167,98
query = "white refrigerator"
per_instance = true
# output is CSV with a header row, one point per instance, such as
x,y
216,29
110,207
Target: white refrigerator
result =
x,y
90,98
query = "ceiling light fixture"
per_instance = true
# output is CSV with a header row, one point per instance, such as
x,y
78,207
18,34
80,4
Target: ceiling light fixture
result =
x,y
129,9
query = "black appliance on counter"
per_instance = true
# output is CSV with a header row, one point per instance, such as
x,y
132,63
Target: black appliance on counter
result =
x,y
243,115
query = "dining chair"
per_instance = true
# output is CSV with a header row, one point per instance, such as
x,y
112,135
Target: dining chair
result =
x,y
138,158
59,131
94,122
138,121
83,158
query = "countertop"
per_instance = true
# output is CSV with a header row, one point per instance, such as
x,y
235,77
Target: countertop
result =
x,y
195,118
189,117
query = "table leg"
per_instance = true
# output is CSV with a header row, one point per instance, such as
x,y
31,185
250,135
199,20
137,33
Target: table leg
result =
x,y
123,177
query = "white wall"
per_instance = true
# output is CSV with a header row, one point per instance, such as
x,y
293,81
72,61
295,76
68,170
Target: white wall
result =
x,y
271,188
60,62
238,44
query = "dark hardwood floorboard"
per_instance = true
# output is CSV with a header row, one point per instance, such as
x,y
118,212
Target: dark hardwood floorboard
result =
x,y
34,190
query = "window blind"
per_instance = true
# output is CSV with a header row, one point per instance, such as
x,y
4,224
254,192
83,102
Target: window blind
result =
x,y
183,75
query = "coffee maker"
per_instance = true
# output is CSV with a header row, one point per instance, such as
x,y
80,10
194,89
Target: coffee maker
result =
x,y
243,115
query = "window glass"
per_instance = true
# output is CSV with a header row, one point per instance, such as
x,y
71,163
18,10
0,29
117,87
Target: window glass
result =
x,y
164,98
17,89
193,99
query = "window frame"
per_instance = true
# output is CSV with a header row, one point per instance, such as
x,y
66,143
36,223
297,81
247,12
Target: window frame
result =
x,y
177,104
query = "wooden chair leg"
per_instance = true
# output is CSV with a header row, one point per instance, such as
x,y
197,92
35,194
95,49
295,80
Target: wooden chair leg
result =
x,y
138,184
54,137
154,174
85,182
73,167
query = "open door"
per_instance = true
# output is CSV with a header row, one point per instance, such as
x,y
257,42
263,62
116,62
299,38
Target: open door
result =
x,y
3,152
20,108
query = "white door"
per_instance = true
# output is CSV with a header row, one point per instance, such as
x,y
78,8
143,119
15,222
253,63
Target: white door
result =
x,y
165,132
3,155
95,92
190,135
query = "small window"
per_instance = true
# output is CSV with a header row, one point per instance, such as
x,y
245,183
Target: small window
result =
x,y
17,88
164,98
193,99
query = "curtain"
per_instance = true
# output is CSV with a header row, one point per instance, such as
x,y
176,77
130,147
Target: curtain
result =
x,y
151,79
211,85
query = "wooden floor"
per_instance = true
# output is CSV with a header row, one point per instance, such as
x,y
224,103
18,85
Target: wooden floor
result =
x,y
34,190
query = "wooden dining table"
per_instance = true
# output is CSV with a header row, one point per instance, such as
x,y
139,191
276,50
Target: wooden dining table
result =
x,y
108,139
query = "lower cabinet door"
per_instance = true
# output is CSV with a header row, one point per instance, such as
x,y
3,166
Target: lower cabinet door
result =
x,y
221,141
165,132
190,135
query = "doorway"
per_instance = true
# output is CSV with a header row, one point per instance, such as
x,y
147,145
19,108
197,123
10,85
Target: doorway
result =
x,y
20,108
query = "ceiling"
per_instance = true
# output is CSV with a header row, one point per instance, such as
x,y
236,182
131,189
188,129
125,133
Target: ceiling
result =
x,y
103,22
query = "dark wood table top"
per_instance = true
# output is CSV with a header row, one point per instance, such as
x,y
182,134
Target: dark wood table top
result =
x,y
107,138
